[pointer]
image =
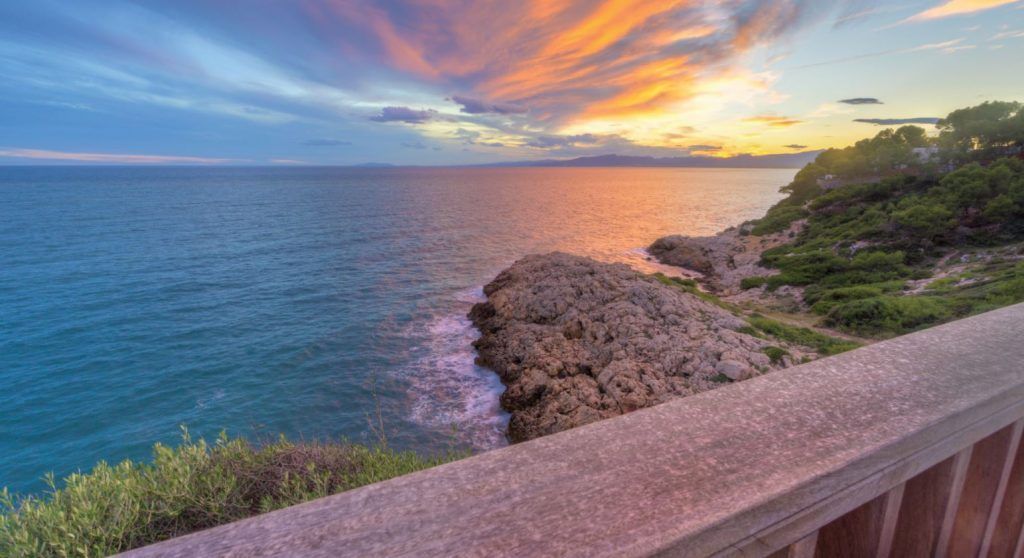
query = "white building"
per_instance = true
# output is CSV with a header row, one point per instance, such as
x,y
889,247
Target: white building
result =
x,y
926,154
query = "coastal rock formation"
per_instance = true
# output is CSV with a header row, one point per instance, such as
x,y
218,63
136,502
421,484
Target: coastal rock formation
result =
x,y
576,341
723,259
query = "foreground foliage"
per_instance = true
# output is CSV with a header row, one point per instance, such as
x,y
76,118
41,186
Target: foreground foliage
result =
x,y
187,488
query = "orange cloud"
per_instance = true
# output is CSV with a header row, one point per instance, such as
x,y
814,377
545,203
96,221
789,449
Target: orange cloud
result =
x,y
774,121
959,7
568,60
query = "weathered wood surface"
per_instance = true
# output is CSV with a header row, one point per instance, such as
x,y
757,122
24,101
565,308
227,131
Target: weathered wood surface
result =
x,y
741,471
1010,524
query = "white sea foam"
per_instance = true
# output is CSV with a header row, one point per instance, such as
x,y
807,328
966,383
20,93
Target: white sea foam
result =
x,y
449,390
217,395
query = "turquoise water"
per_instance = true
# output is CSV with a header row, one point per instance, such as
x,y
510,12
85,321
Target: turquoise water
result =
x,y
265,301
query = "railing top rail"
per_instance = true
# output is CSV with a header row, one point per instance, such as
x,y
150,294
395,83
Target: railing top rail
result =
x,y
730,471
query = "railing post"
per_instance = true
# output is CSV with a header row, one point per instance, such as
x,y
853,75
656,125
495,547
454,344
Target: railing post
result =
x,y
866,531
805,547
1004,481
985,477
890,515
960,463
1008,533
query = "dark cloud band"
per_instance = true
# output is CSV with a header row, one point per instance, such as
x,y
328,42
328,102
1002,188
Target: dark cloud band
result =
x,y
896,121
403,114
862,101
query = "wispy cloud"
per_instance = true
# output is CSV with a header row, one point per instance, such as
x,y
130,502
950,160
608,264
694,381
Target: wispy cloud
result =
x,y
795,146
774,121
325,142
959,7
1016,34
947,47
116,158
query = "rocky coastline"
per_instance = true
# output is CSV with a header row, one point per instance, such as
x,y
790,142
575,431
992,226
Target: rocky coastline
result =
x,y
722,261
575,341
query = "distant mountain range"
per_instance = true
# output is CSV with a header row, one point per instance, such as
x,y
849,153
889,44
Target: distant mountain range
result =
x,y
778,161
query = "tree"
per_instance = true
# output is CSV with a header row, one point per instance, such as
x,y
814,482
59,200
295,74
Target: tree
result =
x,y
926,220
912,136
1000,209
990,124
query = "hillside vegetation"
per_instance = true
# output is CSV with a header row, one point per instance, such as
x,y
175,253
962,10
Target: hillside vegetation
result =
x,y
905,239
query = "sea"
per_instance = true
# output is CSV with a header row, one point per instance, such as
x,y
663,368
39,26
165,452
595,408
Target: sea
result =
x,y
316,302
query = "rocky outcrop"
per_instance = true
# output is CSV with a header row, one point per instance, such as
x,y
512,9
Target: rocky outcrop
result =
x,y
724,259
576,341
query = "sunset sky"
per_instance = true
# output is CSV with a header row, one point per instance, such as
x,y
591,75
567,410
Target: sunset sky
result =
x,y
475,81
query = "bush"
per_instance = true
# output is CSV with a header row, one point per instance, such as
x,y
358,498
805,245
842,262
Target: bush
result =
x,y
826,300
187,488
778,219
927,220
775,353
889,314
752,282
879,261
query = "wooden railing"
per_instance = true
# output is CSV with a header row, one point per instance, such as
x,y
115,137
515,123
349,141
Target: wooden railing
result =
x,y
909,447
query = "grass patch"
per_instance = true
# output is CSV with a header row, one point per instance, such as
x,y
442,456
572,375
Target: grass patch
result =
x,y
820,342
690,286
775,353
720,379
753,282
187,488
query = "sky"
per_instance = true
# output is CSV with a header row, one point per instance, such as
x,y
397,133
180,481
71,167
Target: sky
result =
x,y
447,82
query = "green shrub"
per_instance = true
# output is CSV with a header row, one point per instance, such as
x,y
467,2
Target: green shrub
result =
x,y
879,261
775,353
826,300
675,281
943,284
778,219
752,282
926,220
1000,208
889,314
186,488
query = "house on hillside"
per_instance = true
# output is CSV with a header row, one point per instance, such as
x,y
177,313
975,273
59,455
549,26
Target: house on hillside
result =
x,y
829,182
928,154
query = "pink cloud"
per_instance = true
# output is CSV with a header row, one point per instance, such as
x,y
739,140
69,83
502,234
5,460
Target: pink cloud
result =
x,y
959,7
563,59
131,159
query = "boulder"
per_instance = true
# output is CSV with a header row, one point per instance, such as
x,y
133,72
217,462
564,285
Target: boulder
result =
x,y
575,341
